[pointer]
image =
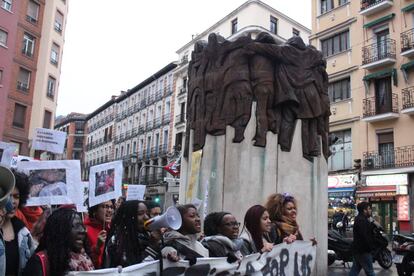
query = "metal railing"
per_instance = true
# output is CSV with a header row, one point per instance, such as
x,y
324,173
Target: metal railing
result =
x,y
407,40
157,122
394,158
180,119
365,4
408,97
378,51
166,119
158,95
163,150
182,90
374,106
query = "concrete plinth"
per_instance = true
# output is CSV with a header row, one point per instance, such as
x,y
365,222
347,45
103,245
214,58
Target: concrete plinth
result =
x,y
234,176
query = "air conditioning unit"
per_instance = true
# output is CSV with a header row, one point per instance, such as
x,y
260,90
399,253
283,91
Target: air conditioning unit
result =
x,y
369,163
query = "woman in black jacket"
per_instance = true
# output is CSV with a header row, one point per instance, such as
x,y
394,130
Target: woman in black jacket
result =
x,y
222,230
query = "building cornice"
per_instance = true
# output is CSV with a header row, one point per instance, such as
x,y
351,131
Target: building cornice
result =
x,y
344,121
333,29
340,74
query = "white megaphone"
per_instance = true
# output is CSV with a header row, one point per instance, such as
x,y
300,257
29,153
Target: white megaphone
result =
x,y
170,219
7,182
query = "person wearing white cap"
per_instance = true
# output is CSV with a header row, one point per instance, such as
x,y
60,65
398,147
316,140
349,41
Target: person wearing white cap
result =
x,y
7,182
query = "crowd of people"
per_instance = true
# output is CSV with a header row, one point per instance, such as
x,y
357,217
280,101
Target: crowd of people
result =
x,y
37,241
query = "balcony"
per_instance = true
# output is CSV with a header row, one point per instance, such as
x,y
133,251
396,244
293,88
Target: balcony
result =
x,y
163,150
166,119
150,99
407,43
378,54
389,159
182,91
149,125
158,95
369,7
168,91
408,100
180,119
157,122
143,104
376,109
154,152
141,129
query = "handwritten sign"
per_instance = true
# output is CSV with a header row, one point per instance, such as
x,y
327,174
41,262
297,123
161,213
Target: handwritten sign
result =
x,y
49,140
7,151
135,192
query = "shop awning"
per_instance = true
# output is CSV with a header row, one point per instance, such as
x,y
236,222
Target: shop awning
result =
x,y
383,73
334,190
407,66
377,191
408,8
379,20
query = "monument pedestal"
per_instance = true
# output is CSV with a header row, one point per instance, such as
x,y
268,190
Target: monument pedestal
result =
x,y
235,176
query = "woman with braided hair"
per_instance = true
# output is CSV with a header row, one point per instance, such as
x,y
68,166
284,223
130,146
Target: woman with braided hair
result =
x,y
62,247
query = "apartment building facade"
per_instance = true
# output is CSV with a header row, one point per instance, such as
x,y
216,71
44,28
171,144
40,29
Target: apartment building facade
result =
x,y
74,126
368,46
22,36
252,17
99,137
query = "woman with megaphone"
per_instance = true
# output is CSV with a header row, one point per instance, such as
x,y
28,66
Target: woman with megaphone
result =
x,y
128,242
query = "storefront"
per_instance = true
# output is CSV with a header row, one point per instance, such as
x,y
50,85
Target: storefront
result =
x,y
388,195
341,194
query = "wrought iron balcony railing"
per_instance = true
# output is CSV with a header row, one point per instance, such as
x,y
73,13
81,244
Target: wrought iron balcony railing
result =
x,y
407,40
365,4
180,118
166,119
375,106
408,97
386,159
378,51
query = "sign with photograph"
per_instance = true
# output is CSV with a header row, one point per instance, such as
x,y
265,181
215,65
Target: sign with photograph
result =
x,y
387,179
83,202
135,192
7,151
105,182
403,208
52,182
49,140
342,180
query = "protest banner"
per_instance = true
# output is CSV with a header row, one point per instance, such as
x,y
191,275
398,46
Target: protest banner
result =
x,y
135,192
52,182
296,259
82,202
105,182
49,140
7,150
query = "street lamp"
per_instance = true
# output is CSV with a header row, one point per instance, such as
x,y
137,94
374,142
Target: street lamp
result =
x,y
133,160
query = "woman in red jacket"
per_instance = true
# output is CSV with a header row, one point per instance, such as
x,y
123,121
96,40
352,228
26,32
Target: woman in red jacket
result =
x,y
97,227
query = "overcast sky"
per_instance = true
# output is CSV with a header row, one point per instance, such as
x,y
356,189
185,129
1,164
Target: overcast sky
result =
x,y
114,45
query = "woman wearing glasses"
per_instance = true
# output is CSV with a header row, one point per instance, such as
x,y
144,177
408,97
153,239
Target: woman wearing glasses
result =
x,y
97,227
222,230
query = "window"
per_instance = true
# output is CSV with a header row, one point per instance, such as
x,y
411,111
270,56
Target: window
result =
x,y
19,115
342,2
28,45
339,90
341,157
47,119
273,24
54,54
6,4
58,21
295,32
326,5
3,38
234,26
51,84
335,44
23,80
386,149
32,12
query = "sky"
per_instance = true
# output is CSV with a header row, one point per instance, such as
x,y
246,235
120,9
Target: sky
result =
x,y
113,47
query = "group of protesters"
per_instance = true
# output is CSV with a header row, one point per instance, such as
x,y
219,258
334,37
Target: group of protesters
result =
x,y
41,241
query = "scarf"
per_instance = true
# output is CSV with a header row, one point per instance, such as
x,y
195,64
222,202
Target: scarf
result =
x,y
288,226
80,262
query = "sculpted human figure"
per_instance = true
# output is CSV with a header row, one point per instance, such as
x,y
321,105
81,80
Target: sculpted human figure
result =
x,y
262,79
295,83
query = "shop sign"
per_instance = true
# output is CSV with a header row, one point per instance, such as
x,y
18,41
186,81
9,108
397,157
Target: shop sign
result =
x,y
387,179
342,180
376,194
155,190
402,190
403,208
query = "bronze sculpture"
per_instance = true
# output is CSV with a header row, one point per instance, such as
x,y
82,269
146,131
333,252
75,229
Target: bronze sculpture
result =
x,y
288,82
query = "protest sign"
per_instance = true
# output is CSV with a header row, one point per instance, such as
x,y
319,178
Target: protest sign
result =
x,y
83,201
49,140
52,182
105,182
7,150
297,259
135,192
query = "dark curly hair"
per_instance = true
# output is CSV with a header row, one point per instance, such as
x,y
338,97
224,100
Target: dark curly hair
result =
x,y
212,222
23,185
56,240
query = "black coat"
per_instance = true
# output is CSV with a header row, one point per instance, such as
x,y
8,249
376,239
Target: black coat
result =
x,y
363,235
221,246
